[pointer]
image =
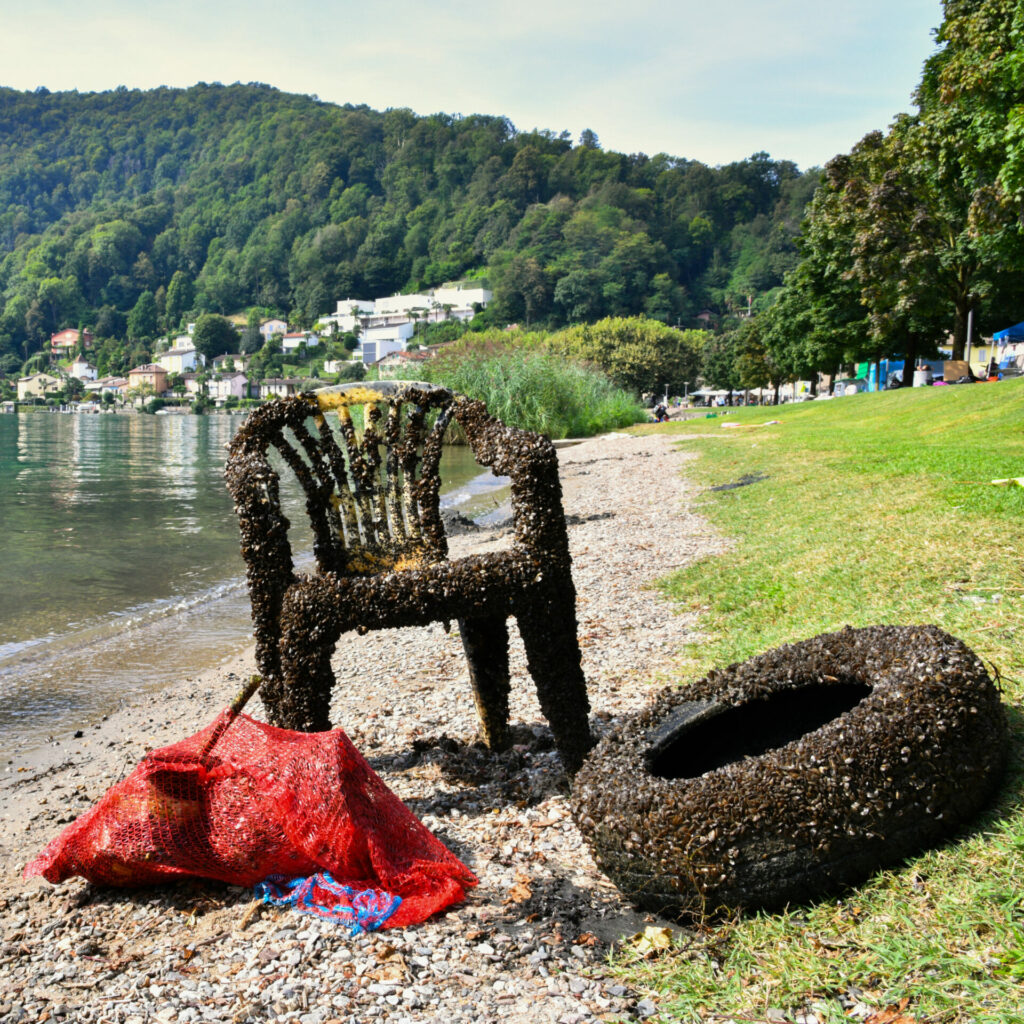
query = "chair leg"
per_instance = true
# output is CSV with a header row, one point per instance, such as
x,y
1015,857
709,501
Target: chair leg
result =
x,y
303,700
308,683
485,641
553,657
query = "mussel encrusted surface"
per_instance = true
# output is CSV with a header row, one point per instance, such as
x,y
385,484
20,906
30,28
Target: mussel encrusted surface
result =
x,y
372,499
915,748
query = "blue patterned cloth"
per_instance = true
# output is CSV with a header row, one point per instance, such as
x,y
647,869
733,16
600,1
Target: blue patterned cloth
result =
x,y
322,896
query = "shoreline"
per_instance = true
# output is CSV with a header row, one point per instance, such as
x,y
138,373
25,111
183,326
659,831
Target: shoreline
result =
x,y
540,922
50,684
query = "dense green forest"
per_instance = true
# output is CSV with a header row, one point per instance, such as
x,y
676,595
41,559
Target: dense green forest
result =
x,y
130,211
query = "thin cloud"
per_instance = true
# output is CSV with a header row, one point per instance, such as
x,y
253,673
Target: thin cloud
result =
x,y
798,78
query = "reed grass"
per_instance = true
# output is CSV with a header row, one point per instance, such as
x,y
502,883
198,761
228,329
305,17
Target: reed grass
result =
x,y
535,390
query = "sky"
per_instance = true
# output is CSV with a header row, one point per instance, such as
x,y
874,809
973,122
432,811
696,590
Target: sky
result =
x,y
710,80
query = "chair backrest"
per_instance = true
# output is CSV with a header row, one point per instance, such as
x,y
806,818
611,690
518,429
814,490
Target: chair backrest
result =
x,y
372,497
368,511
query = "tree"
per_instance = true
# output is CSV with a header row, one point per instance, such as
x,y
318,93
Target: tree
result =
x,y
754,365
111,358
666,300
180,297
60,300
143,320
352,372
920,219
251,340
72,389
718,362
637,353
110,323
523,290
803,333
970,93
214,336
579,293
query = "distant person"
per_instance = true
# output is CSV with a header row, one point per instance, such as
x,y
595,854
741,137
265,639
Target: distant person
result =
x,y
660,413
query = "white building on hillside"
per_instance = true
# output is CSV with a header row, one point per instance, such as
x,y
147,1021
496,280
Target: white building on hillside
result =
x,y
290,342
385,325
377,342
180,360
406,305
462,296
83,369
349,316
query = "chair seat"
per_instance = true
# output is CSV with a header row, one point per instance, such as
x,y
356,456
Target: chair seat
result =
x,y
362,560
470,587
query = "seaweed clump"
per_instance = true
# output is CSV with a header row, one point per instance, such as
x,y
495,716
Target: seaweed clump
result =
x,y
792,774
372,499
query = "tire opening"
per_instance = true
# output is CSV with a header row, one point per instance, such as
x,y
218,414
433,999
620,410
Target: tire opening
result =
x,y
751,729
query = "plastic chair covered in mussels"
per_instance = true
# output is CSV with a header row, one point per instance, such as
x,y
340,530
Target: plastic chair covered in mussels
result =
x,y
381,555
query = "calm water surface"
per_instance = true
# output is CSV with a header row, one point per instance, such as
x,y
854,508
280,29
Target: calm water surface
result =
x,y
119,562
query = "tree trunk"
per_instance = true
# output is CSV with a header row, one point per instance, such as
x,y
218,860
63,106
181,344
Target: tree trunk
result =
x,y
909,364
960,338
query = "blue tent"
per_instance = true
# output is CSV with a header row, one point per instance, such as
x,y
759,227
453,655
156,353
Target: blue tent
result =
x,y
1014,333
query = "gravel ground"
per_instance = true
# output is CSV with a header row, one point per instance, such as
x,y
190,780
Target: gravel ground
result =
x,y
530,942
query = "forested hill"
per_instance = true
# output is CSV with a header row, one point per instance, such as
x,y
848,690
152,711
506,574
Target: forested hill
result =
x,y
222,198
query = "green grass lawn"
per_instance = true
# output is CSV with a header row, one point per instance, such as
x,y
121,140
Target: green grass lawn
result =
x,y
871,509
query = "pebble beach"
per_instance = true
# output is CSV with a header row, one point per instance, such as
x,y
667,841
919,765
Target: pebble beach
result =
x,y
530,943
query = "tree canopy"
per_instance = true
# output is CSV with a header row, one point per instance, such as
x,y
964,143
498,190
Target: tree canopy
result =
x,y
214,336
216,199
917,232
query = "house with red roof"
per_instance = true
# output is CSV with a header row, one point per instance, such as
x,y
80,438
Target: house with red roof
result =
x,y
65,342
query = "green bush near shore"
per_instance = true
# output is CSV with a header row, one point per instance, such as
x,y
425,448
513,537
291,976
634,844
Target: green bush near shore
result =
x,y
869,509
536,390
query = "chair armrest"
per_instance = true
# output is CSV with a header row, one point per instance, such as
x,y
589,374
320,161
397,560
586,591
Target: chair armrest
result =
x,y
530,461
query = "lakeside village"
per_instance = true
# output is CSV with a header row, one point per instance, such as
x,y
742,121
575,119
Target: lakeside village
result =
x,y
381,337
383,332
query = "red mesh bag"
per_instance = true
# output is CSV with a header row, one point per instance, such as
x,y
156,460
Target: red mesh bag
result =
x,y
263,802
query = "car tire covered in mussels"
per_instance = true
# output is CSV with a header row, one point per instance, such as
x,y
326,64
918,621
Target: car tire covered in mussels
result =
x,y
801,770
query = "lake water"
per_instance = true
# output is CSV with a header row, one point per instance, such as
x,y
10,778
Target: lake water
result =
x,y
120,568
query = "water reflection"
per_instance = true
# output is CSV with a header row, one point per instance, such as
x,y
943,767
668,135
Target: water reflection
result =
x,y
120,558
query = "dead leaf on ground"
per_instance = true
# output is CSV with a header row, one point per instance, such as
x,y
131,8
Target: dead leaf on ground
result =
x,y
892,1015
519,893
651,941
